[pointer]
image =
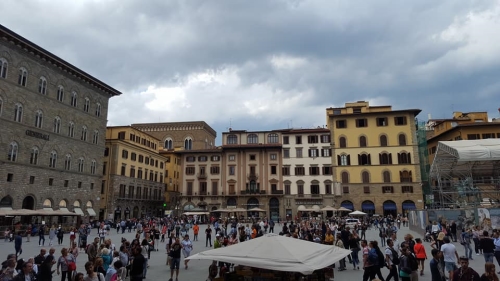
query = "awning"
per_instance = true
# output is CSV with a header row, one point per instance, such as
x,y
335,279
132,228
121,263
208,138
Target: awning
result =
x,y
79,211
347,205
390,206
48,209
301,208
409,206
367,206
316,208
63,209
91,212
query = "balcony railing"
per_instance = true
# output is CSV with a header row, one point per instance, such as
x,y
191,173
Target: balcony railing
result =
x,y
252,192
276,191
202,175
252,176
203,193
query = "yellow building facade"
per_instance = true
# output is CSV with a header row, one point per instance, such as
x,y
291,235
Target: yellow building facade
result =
x,y
133,175
375,158
173,179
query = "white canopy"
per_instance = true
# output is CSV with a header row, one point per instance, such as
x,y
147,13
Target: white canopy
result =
x,y
357,213
472,150
276,252
195,213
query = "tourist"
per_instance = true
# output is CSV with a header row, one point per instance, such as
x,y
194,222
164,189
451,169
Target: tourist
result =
x,y
392,260
18,243
420,254
208,233
91,274
450,256
26,273
187,247
464,273
137,265
489,272
175,253
41,235
340,244
487,246
65,263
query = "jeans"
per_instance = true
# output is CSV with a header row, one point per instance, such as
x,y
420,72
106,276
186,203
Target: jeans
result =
x,y
382,241
346,245
468,250
355,258
66,273
145,270
488,257
393,273
209,239
369,273
497,256
476,245
40,239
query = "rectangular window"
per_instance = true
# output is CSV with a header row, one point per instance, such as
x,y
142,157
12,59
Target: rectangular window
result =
x,y
381,121
326,152
190,170
366,189
356,110
488,136
345,189
387,189
473,136
327,170
203,188
232,157
313,171
215,186
274,156
400,120
252,157
407,189
325,138
66,183
361,123
121,135
286,170
124,154
190,159
202,158
133,156
189,188
286,153
312,139
32,179
214,170
215,158
314,189
139,173
287,189
274,170
298,152
79,184
91,185
298,139
122,172
130,191
51,181
341,124
146,161
232,170
299,171
313,152
138,192
286,140
300,189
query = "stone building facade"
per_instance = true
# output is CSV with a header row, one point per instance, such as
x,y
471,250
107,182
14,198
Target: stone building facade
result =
x,y
53,122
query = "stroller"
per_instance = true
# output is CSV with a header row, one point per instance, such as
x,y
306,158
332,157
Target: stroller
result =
x,y
428,237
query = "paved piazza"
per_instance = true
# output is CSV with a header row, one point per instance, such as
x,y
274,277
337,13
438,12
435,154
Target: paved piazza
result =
x,y
198,269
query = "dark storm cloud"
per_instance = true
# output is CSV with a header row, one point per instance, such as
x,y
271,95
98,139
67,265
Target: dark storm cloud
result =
x,y
296,57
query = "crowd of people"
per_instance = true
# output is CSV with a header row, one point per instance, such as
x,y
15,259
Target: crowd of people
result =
x,y
404,258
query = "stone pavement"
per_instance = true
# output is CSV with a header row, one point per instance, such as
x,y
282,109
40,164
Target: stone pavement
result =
x,y
198,270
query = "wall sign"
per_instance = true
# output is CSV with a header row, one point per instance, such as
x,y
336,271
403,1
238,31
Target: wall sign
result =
x,y
37,135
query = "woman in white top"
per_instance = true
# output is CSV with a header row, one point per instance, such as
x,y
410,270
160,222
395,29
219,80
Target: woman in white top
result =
x,y
187,247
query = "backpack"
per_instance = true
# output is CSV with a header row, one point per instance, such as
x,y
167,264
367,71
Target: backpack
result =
x,y
395,258
412,262
373,257
381,259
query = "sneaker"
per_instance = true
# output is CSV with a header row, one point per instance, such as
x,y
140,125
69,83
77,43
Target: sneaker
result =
x,y
478,254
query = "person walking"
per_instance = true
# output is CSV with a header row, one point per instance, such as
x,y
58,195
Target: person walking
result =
x,y
67,264
340,244
450,256
489,272
93,275
137,265
466,241
175,253
437,266
52,235
60,235
392,260
464,273
28,232
420,254
18,243
208,233
187,247
196,229
487,246
41,235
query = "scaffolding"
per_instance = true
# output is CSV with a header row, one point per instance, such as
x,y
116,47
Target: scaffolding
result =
x,y
466,174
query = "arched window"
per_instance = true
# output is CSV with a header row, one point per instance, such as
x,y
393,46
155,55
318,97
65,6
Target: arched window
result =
x,y
84,133
74,99
81,164
18,112
57,124
95,137
362,141
13,149
86,104
38,118
3,68
98,110
168,144
71,129
345,177
252,138
272,138
60,93
383,140
386,175
344,160
365,177
402,139
42,85
342,142
188,144
404,158
93,166
34,155
53,159
67,162
23,77
232,139
364,159
385,158
405,176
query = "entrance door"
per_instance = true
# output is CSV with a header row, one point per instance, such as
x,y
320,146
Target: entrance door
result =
x,y
274,209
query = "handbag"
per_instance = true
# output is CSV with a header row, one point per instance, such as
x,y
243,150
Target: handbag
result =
x,y
71,265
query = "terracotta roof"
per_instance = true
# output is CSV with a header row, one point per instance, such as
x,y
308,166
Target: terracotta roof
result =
x,y
252,145
414,111
459,126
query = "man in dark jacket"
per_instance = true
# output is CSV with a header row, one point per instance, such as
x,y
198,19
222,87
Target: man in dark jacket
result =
x,y
137,268
26,274
437,266
18,243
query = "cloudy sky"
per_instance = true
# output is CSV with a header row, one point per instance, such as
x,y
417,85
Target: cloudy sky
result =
x,y
272,64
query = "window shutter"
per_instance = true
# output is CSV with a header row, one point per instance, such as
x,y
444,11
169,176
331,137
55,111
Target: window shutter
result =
x,y
369,159
380,160
247,186
317,152
309,152
330,151
348,159
322,153
390,158
359,159
399,158
339,163
409,158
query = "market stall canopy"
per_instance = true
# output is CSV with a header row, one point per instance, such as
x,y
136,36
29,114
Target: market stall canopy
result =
x,y
328,208
39,212
357,213
195,213
276,252
344,209
256,210
237,210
